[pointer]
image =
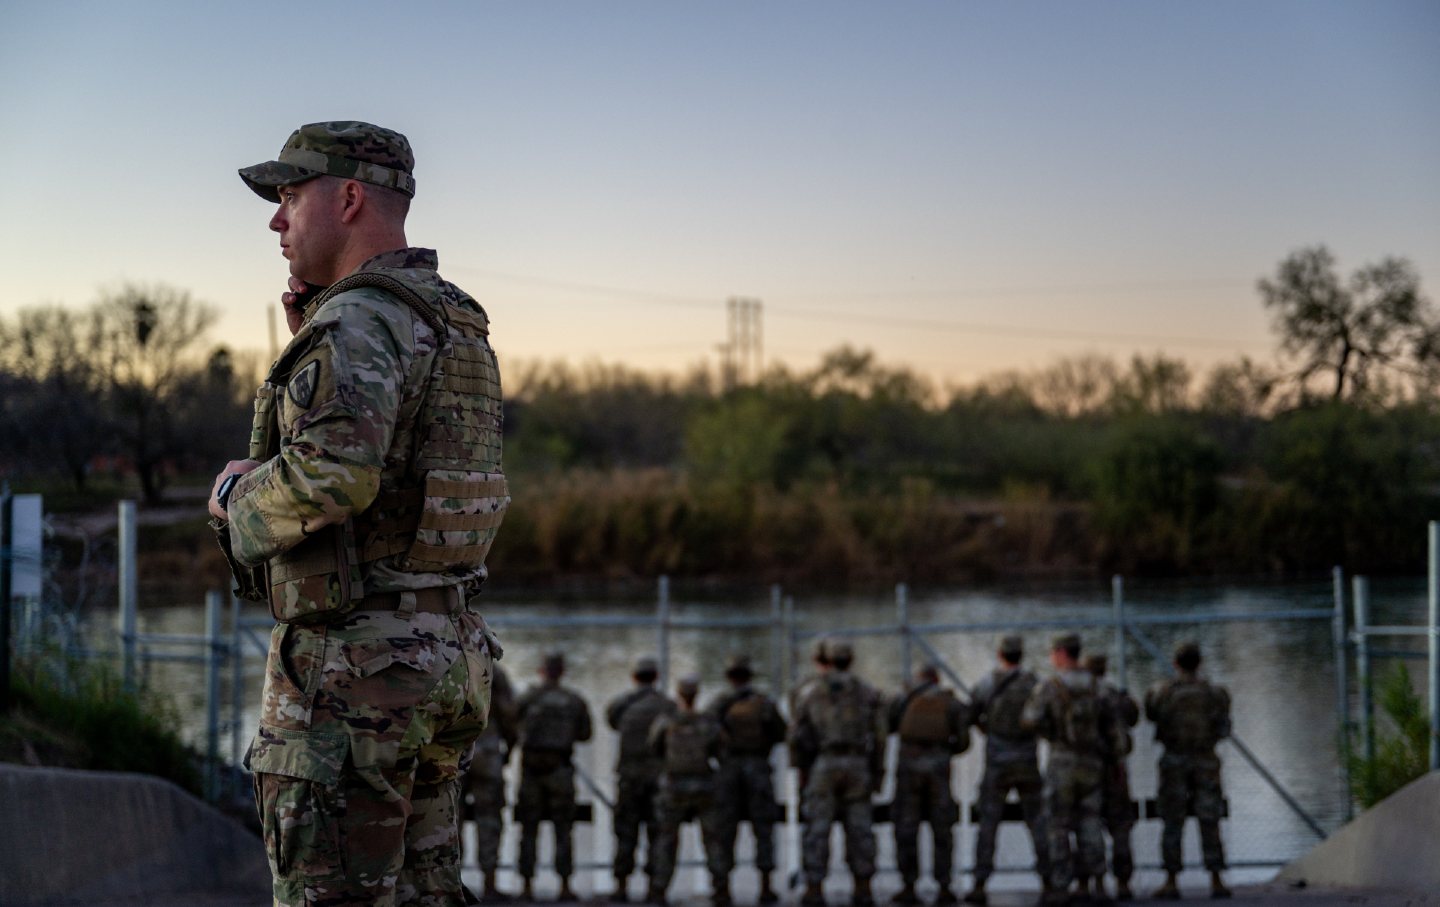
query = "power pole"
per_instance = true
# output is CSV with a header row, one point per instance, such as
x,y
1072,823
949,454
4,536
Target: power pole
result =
x,y
743,349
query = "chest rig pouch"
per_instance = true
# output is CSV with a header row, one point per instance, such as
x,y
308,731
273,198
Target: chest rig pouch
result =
x,y
439,514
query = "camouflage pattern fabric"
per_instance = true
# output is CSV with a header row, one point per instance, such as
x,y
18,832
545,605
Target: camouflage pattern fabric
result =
x,y
686,795
1191,715
1072,774
841,719
547,779
997,702
637,771
1116,804
999,779
922,776
345,148
356,765
485,779
746,781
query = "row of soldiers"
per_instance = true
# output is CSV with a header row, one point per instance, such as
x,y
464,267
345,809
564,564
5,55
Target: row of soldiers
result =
x,y
678,762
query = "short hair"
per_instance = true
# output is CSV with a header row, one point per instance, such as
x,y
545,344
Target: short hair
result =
x,y
1187,656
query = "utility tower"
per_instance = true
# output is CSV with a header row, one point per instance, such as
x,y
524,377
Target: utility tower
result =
x,y
743,348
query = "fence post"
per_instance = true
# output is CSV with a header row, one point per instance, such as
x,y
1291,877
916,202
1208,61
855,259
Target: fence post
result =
x,y
777,639
213,645
1342,686
237,691
129,592
902,607
1360,590
1117,597
788,604
1434,590
662,644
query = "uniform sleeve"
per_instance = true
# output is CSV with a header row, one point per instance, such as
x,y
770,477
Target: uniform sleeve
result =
x,y
583,726
337,418
979,704
1222,713
615,710
774,723
958,715
1153,697
1035,716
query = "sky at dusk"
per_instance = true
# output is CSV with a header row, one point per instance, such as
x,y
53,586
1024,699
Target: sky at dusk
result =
x,y
959,187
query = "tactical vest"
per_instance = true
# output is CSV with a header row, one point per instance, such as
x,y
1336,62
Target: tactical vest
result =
x,y
926,719
744,721
687,745
841,710
1002,711
442,512
549,722
1188,718
1079,719
635,722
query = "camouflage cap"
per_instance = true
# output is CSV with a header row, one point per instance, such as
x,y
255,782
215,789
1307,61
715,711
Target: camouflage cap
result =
x,y
1065,641
1187,649
645,665
344,148
739,662
1011,644
840,652
688,685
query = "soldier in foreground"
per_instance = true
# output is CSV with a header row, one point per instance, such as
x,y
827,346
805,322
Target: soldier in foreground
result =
x,y
1011,762
753,727
637,770
1066,711
366,531
1191,716
690,744
1117,810
837,740
553,718
485,780
933,728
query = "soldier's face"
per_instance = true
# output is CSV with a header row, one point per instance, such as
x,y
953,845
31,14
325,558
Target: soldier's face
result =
x,y
308,221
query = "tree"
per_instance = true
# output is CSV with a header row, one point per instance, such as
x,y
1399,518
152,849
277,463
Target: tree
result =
x,y
1351,330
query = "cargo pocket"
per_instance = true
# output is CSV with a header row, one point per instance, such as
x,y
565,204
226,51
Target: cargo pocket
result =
x,y
297,791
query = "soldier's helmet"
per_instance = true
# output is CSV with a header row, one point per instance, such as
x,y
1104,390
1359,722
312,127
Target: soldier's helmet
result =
x,y
348,149
1011,646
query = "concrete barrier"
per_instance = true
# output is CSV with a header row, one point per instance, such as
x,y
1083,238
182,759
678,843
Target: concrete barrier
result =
x,y
1390,845
70,837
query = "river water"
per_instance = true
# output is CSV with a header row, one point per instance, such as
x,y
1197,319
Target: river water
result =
x,y
1280,670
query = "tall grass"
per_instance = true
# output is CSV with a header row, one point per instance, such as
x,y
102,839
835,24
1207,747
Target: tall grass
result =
x,y
1402,745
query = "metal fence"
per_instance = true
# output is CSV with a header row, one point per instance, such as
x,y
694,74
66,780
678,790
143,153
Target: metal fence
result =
x,y
778,629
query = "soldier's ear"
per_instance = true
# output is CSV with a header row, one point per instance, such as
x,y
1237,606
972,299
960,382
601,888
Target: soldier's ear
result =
x,y
351,199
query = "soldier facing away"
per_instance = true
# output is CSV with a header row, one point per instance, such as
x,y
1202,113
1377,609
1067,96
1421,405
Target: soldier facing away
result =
x,y
837,740
690,744
1011,762
1117,810
553,718
366,531
753,727
637,770
1191,716
485,779
1066,711
933,727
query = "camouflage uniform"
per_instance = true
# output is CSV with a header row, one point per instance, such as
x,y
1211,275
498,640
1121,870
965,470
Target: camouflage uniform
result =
x,y
837,740
1066,711
933,728
1011,763
753,727
689,743
378,678
1191,716
1117,809
553,718
637,770
485,780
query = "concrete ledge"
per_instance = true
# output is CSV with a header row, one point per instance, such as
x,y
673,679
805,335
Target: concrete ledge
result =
x,y
1390,845
71,837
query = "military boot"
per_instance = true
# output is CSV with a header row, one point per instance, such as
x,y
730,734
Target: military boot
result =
x,y
654,894
721,896
945,895
862,896
767,894
977,895
1217,886
527,892
1170,891
813,896
565,893
1122,890
906,895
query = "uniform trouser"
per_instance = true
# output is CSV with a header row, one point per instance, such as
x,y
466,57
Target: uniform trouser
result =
x,y
1187,780
1072,806
362,727
1116,812
746,787
1022,776
634,807
681,799
547,791
487,801
838,790
922,794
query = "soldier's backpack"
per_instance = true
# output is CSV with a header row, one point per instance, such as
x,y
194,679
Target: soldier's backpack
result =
x,y
1188,721
1079,726
1005,704
687,745
842,710
926,719
635,721
744,721
549,723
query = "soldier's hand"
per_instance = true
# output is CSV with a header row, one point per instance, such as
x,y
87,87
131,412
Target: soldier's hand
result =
x,y
294,302
233,468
